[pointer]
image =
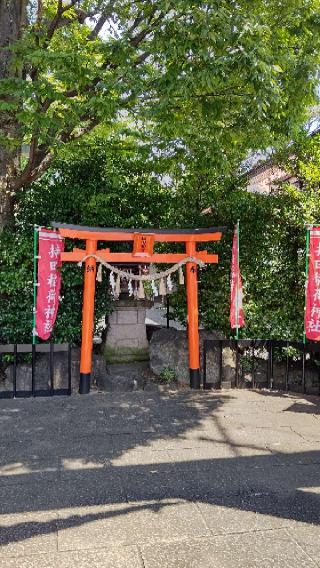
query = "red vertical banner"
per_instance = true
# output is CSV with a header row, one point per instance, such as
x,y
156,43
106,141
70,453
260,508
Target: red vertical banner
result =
x,y
236,304
51,244
312,313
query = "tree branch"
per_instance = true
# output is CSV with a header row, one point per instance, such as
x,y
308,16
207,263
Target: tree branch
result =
x,y
136,40
142,57
27,177
39,12
56,20
72,135
32,153
201,96
51,30
138,20
105,14
40,158
98,27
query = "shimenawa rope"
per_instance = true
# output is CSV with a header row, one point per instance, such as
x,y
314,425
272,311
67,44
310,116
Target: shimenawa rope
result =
x,y
144,277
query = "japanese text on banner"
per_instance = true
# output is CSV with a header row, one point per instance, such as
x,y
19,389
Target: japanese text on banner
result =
x,y
51,244
312,313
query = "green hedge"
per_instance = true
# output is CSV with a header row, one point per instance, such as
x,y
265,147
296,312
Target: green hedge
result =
x,y
114,183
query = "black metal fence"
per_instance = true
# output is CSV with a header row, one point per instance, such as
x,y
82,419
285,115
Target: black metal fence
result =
x,y
246,363
273,364
13,356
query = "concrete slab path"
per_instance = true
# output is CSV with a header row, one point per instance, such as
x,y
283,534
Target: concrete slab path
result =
x,y
160,480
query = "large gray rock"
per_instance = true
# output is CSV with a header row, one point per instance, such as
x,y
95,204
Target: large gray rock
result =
x,y
169,349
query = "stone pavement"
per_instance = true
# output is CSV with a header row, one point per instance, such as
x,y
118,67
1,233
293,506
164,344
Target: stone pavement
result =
x,y
171,480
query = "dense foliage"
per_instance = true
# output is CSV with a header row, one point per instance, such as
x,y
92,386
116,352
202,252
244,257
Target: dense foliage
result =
x,y
111,181
272,242
272,257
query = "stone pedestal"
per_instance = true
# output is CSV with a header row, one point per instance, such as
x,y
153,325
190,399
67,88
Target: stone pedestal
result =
x,y
127,337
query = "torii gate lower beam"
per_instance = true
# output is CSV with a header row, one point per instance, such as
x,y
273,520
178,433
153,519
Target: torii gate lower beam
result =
x,y
143,240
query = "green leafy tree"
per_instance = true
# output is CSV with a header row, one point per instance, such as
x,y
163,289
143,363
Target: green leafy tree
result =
x,y
223,75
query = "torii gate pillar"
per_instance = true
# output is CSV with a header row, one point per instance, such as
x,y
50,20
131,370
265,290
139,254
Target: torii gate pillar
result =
x,y
193,318
87,318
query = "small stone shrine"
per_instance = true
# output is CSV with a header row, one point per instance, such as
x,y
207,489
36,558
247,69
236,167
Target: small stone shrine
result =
x,y
126,335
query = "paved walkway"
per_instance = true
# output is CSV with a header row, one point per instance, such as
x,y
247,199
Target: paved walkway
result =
x,y
181,480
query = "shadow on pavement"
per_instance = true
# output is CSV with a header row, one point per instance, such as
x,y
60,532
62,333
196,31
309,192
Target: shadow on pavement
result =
x,y
118,455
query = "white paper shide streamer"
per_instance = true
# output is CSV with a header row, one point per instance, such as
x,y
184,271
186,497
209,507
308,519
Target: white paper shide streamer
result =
x,y
112,284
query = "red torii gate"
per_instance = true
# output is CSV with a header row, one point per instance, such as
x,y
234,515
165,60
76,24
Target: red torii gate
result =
x,y
142,251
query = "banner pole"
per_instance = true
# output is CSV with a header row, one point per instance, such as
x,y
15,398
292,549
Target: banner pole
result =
x,y
306,282
35,281
238,270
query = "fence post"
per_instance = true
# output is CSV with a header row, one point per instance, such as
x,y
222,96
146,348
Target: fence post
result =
x,y
304,369
237,364
51,369
271,366
204,359
15,370
69,370
287,369
253,366
220,362
33,369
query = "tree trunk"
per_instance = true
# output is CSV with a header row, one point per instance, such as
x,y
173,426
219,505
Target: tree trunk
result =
x,y
12,19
